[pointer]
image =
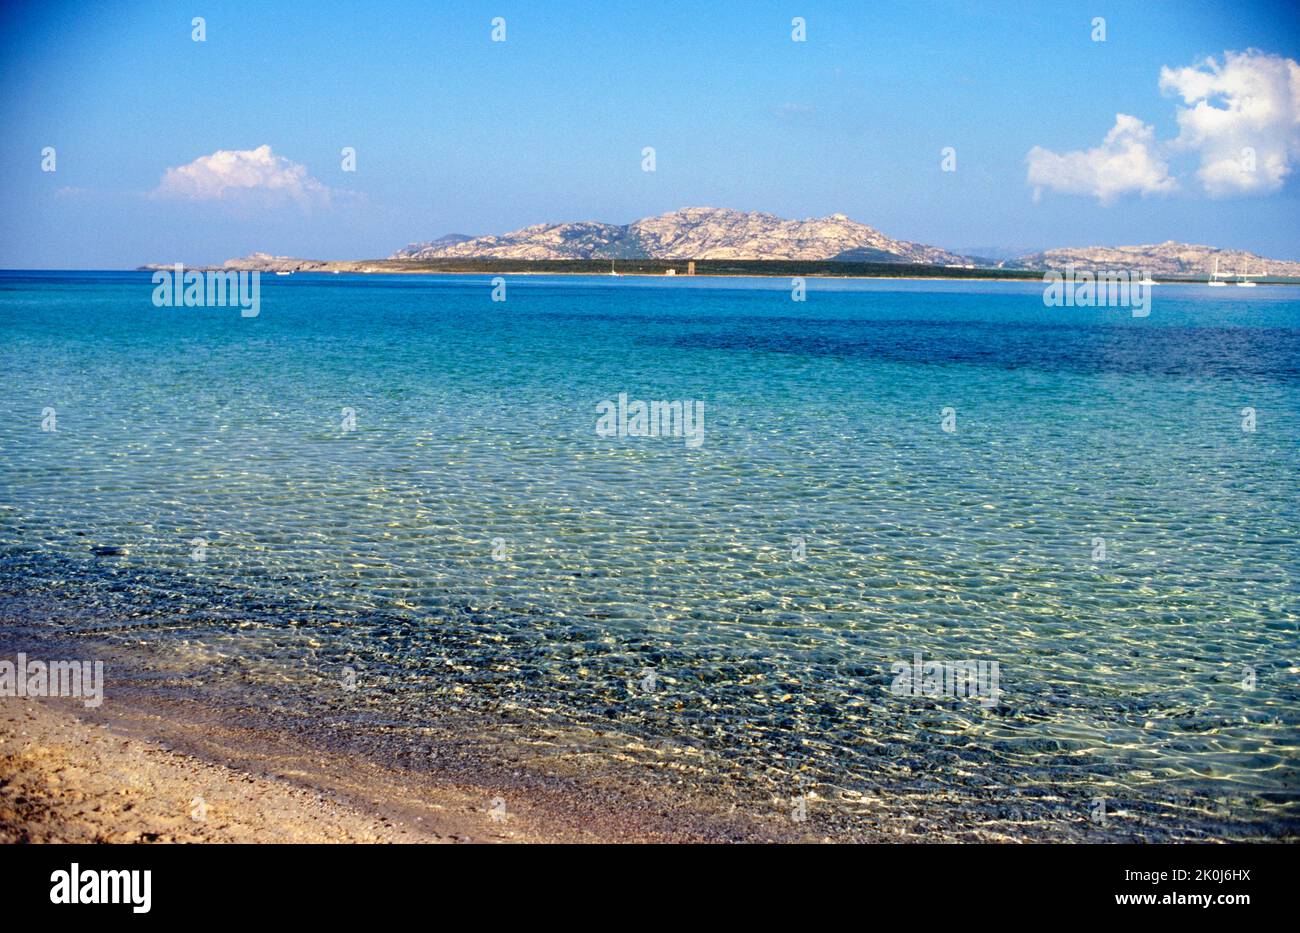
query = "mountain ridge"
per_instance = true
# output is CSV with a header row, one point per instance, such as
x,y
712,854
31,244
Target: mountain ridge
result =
x,y
1168,258
693,233
723,233
707,233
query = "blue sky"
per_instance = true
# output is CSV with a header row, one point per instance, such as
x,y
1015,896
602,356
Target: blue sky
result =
x,y
456,133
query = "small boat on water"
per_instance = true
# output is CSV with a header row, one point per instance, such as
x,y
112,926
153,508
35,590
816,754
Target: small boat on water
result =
x,y
279,272
1245,279
1215,281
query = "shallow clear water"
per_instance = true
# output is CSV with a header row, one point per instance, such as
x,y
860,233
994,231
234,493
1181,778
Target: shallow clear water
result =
x,y
475,420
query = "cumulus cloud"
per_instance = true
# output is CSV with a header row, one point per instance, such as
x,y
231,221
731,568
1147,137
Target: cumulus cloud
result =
x,y
1242,117
243,174
1128,160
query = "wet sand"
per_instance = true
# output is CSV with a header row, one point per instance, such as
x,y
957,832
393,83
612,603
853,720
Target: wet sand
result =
x,y
170,731
142,769
184,749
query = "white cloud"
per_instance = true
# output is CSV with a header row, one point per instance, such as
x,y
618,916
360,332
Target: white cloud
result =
x,y
1127,161
1242,117
241,174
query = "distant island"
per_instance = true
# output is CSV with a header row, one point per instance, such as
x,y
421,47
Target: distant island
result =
x,y
719,241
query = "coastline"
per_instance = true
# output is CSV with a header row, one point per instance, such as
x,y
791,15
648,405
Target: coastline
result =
x,y
643,269
1034,277
145,771
660,269
321,270
133,769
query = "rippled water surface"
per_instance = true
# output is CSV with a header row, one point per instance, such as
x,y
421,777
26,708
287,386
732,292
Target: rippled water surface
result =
x,y
474,543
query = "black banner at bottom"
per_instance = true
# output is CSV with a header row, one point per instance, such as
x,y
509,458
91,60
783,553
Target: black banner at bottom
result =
x,y
335,882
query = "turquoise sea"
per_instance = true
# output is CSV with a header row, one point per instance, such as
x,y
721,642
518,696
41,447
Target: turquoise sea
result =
x,y
461,544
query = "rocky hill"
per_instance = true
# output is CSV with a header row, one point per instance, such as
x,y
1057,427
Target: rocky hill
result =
x,y
707,233
692,233
253,262
1169,258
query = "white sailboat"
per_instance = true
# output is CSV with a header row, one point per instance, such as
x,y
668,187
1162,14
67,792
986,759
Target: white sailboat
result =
x,y
1245,278
611,268
1215,282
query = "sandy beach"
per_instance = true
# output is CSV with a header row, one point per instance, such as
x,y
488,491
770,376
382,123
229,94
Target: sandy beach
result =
x,y
149,770
66,780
